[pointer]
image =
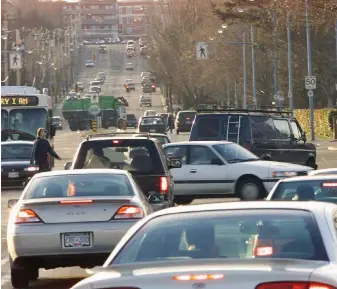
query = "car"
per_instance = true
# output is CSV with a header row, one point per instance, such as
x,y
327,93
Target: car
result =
x,y
162,138
317,187
144,73
57,123
331,171
71,218
184,120
130,42
131,120
130,53
89,63
16,166
129,66
101,74
260,245
100,80
145,100
147,88
221,168
96,82
95,89
165,116
102,48
144,158
149,112
268,133
152,124
80,86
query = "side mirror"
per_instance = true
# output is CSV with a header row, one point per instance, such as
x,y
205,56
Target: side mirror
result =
x,y
304,136
216,162
68,165
174,163
52,130
155,198
12,203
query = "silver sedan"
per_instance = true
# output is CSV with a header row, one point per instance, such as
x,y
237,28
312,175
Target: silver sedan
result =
x,y
71,218
261,245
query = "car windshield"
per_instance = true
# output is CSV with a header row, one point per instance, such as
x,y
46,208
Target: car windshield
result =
x,y
56,120
187,115
152,121
239,234
134,155
162,139
16,151
83,185
234,153
304,190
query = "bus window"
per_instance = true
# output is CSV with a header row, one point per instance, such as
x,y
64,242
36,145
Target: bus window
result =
x,y
4,125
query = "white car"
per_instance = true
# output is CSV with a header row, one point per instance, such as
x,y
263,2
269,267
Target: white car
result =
x,y
95,83
145,100
245,245
145,73
129,66
211,168
89,63
149,113
331,171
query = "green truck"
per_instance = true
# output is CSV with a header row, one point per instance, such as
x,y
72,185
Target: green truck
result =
x,y
79,112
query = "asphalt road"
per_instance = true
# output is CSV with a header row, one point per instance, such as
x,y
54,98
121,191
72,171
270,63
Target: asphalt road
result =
x,y
113,64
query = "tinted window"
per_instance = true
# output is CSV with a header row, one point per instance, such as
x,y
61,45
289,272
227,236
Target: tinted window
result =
x,y
262,127
130,117
16,151
233,153
241,234
318,190
177,152
137,156
282,128
79,186
187,114
201,155
152,121
295,129
208,127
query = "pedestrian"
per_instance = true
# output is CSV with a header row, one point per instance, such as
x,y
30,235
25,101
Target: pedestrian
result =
x,y
40,152
170,122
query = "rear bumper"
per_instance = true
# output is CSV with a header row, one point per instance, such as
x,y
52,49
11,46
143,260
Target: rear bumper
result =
x,y
34,240
23,177
184,128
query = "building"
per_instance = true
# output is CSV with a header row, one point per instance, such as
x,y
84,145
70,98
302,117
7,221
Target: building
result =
x,y
98,19
133,16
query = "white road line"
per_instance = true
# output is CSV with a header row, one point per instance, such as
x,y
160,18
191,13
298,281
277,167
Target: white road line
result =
x,y
4,261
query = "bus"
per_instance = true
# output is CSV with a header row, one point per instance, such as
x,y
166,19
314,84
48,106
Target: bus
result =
x,y
24,110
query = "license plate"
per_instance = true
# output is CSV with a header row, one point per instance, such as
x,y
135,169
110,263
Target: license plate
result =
x,y
76,240
152,130
13,175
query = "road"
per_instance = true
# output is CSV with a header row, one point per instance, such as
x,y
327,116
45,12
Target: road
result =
x,y
66,141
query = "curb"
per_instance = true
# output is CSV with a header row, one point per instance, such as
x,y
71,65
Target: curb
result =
x,y
332,148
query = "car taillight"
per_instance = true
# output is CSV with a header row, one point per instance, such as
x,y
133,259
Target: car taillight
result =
x,y
187,118
294,285
329,185
76,202
26,216
198,277
32,169
129,212
163,185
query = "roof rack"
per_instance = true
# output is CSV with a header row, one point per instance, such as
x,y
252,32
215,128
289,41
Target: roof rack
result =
x,y
90,136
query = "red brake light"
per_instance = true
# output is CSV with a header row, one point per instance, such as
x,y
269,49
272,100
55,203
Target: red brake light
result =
x,y
26,216
76,202
198,277
115,141
153,86
264,251
129,212
163,185
294,285
187,118
329,185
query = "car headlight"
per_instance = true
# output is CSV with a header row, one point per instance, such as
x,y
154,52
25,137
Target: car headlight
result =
x,y
284,174
32,169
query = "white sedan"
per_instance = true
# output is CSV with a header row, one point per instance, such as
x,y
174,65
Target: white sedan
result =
x,y
129,66
246,245
213,168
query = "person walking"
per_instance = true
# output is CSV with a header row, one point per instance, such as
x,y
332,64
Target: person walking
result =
x,y
170,122
40,152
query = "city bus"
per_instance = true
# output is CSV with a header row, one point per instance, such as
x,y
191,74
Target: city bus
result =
x,y
24,110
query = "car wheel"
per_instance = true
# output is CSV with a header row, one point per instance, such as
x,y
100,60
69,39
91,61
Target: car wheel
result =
x,y
250,189
19,278
312,163
183,200
34,275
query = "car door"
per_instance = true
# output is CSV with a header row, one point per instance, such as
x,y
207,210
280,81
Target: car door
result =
x,y
284,141
203,176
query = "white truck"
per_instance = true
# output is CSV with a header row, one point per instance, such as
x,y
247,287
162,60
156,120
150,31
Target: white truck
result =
x,y
145,100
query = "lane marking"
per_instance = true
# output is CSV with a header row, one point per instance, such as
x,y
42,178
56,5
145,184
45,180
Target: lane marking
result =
x,y
4,261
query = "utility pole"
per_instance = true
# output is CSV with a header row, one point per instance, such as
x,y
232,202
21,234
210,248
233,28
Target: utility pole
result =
x,y
311,95
290,66
276,93
6,54
228,96
18,71
244,72
253,65
235,95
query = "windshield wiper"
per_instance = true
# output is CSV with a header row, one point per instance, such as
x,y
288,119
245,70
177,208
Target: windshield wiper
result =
x,y
25,135
250,160
242,160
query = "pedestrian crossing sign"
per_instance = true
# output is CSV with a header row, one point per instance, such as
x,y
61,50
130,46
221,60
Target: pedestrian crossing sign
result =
x,y
15,60
202,50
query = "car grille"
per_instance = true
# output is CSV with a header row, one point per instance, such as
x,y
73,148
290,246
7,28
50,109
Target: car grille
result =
x,y
304,173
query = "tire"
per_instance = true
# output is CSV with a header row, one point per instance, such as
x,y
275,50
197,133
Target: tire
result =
x,y
254,187
19,278
34,275
312,163
183,200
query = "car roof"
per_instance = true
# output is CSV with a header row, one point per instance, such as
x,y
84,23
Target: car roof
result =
x,y
82,172
17,142
310,178
105,138
323,171
209,143
150,134
312,206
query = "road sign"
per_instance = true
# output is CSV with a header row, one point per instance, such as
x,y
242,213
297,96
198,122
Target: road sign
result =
x,y
310,93
94,126
15,60
94,97
202,50
310,82
94,109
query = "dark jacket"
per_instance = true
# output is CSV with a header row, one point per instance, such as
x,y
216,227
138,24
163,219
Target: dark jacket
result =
x,y
170,121
40,152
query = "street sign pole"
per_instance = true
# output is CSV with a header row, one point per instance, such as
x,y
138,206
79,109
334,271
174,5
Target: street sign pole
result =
x,y
18,71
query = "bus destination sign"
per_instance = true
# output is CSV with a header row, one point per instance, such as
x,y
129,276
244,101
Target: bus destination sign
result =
x,y
19,100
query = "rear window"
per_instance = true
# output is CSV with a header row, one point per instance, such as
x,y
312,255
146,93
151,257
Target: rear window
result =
x,y
319,190
152,121
208,127
79,186
130,117
187,115
56,120
239,234
138,156
16,151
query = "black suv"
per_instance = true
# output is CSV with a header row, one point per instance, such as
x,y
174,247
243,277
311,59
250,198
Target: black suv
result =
x,y
270,134
143,157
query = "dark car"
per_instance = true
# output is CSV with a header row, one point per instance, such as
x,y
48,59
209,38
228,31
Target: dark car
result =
x,y
131,120
268,133
164,116
184,120
144,158
56,121
152,124
16,167
147,88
